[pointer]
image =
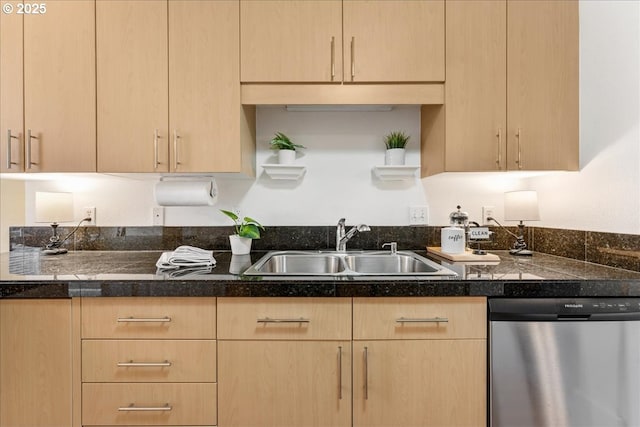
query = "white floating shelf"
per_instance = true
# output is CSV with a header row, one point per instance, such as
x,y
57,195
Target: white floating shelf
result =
x,y
395,173
291,172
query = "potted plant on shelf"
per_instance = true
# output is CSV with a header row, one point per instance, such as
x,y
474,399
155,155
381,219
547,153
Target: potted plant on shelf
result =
x,y
395,143
286,148
246,230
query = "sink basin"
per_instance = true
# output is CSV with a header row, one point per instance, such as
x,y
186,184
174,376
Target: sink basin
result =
x,y
368,263
389,264
290,263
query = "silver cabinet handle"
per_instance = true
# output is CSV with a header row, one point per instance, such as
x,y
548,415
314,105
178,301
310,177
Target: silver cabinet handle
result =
x,y
499,158
340,372
176,160
132,364
156,137
333,58
144,319
353,58
133,408
270,320
29,138
9,138
519,161
366,373
423,320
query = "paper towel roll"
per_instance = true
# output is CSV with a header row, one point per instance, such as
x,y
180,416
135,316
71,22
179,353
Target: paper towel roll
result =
x,y
452,240
186,193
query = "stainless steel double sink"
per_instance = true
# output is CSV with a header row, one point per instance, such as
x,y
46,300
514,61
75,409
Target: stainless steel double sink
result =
x,y
366,263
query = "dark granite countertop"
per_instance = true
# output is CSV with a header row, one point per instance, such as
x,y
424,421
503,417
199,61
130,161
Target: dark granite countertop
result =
x,y
29,274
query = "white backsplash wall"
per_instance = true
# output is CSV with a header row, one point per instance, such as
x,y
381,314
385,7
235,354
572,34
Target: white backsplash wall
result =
x,y
343,147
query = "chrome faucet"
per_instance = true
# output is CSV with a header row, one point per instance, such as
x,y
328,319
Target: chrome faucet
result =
x,y
342,236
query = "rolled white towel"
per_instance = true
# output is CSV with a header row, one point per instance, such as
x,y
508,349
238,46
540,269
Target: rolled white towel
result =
x,y
186,256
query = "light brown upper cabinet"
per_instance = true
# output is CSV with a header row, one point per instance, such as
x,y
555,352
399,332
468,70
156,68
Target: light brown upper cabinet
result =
x,y
133,90
511,91
47,68
168,88
393,41
542,85
298,41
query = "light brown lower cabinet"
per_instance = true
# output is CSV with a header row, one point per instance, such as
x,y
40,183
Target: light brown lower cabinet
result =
x,y
109,404
36,362
284,383
419,383
419,362
405,362
149,361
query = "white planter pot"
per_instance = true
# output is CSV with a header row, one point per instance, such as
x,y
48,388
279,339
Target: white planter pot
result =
x,y
394,156
240,245
286,157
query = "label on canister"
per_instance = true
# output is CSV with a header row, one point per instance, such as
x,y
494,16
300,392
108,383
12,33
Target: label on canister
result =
x,y
452,240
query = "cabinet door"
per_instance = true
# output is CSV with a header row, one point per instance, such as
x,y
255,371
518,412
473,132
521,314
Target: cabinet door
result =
x,y
60,88
291,40
204,88
35,363
542,88
394,41
284,383
419,383
133,92
475,88
11,84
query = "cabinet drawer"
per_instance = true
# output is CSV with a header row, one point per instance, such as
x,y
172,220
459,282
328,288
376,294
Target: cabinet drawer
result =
x,y
184,318
420,318
284,318
149,404
148,361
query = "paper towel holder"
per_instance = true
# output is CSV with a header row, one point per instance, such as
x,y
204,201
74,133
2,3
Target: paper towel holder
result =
x,y
186,190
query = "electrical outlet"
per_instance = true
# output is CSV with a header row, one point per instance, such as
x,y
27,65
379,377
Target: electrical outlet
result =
x,y
419,215
89,212
488,212
158,216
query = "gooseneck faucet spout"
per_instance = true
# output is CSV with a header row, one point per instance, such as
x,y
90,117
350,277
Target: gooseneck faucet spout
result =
x,y
343,236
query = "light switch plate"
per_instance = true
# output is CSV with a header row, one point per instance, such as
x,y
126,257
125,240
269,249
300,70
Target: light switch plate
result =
x,y
419,215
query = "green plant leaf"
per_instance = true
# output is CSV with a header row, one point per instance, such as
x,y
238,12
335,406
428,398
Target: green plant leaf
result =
x,y
248,220
249,230
230,214
282,142
396,139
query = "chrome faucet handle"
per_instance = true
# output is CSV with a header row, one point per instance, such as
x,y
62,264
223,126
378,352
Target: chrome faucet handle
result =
x,y
392,245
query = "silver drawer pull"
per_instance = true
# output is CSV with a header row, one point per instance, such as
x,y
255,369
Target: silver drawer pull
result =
x,y
132,364
269,320
133,408
142,320
425,320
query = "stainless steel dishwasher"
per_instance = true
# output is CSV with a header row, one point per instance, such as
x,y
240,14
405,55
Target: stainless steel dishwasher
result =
x,y
564,362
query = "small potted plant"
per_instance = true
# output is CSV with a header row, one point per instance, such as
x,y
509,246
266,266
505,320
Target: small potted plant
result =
x,y
395,143
246,230
286,148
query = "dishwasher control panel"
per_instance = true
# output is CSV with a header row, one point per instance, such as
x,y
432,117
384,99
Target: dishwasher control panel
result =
x,y
563,308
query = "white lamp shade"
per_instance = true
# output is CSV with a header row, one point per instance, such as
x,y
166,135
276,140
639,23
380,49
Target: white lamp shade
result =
x,y
54,207
521,206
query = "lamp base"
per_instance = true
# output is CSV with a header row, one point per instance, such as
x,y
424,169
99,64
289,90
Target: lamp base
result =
x,y
55,251
523,252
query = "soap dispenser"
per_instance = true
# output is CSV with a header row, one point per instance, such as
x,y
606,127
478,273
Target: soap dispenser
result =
x,y
452,238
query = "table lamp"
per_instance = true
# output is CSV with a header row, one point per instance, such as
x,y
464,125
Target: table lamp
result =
x,y
54,208
521,206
